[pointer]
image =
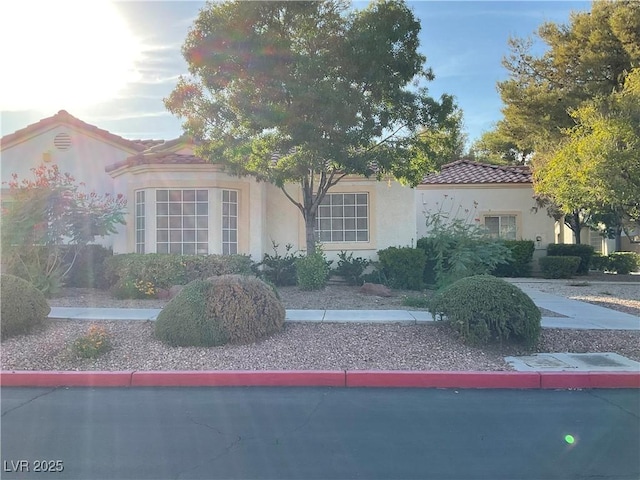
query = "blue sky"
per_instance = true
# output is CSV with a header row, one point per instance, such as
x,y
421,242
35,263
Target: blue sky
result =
x,y
129,54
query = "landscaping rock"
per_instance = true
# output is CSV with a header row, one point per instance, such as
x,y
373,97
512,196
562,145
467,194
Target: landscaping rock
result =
x,y
375,289
162,294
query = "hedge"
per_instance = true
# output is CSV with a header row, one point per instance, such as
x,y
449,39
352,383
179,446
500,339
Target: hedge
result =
x,y
585,253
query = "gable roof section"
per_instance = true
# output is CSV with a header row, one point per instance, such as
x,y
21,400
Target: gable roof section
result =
x,y
166,153
468,172
65,118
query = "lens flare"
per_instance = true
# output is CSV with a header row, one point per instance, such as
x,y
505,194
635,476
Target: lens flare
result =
x,y
569,439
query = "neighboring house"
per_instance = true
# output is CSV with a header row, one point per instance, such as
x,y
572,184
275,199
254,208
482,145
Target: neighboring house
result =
x,y
179,203
499,197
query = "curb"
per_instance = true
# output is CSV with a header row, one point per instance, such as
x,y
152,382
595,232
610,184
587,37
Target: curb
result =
x,y
324,378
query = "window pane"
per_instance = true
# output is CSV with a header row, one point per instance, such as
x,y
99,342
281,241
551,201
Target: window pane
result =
x,y
175,236
233,196
362,236
350,236
162,248
189,236
202,195
361,211
324,211
203,209
202,222
350,223
361,224
175,195
325,224
189,195
233,210
361,199
325,236
162,209
189,249
175,209
225,235
162,236
162,195
175,222
337,224
349,199
175,248
189,209
189,222
349,211
233,222
337,236
233,236
202,236
337,211
202,248
337,199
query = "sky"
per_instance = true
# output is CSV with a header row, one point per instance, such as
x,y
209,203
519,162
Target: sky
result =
x,y
111,64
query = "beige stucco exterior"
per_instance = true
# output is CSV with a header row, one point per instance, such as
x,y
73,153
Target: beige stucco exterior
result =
x,y
475,201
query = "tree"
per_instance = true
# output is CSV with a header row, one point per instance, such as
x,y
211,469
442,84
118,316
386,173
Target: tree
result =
x,y
597,165
307,93
48,220
497,148
588,58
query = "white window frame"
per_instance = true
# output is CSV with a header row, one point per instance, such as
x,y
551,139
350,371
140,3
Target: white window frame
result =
x,y
344,218
140,220
501,233
184,227
229,213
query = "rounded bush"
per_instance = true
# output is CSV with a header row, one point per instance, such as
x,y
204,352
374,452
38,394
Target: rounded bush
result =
x,y
559,266
624,263
484,308
219,310
22,308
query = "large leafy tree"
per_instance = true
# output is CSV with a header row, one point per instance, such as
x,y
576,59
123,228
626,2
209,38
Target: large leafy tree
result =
x,y
587,58
308,92
596,168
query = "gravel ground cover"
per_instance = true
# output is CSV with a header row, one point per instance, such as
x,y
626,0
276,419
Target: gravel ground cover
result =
x,y
309,346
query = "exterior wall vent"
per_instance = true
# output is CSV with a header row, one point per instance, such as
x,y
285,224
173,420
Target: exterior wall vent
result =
x,y
62,141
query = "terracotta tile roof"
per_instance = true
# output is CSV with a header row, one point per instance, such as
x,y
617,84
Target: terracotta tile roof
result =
x,y
466,171
161,158
64,117
148,143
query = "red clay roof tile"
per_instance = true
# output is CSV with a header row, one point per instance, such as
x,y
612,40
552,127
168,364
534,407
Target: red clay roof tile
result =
x,y
466,171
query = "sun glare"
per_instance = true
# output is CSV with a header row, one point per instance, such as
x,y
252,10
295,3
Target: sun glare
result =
x,y
63,54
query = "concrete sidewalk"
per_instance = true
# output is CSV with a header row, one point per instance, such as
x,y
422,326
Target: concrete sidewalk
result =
x,y
578,315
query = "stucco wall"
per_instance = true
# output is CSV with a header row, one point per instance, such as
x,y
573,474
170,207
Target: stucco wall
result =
x,y
391,218
532,224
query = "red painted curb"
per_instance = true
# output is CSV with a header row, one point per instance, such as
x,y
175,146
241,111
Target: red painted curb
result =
x,y
322,378
64,379
301,378
439,379
564,380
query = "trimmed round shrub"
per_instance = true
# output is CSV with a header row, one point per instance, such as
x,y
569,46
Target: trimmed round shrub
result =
x,y
624,262
220,310
23,306
484,308
559,266
312,271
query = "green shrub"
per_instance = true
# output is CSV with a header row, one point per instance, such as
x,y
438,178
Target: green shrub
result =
x,y
559,267
312,271
403,267
22,308
599,263
456,248
96,342
624,262
351,269
520,263
585,252
483,308
126,273
376,276
280,269
88,270
219,310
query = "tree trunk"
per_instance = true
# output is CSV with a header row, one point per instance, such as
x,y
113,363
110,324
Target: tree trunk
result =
x,y
310,232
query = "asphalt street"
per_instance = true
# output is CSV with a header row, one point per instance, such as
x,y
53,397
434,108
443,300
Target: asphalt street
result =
x,y
320,433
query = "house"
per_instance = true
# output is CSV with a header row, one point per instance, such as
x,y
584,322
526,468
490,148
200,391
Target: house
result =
x,y
497,196
179,203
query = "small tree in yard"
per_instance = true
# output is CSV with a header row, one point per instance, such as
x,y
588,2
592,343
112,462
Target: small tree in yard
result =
x,y
48,220
309,92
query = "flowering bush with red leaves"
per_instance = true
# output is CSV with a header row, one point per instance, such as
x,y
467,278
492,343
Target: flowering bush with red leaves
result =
x,y
49,214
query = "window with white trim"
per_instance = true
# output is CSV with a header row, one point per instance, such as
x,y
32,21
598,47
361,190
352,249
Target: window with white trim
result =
x,y
343,217
501,226
182,221
140,221
229,222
